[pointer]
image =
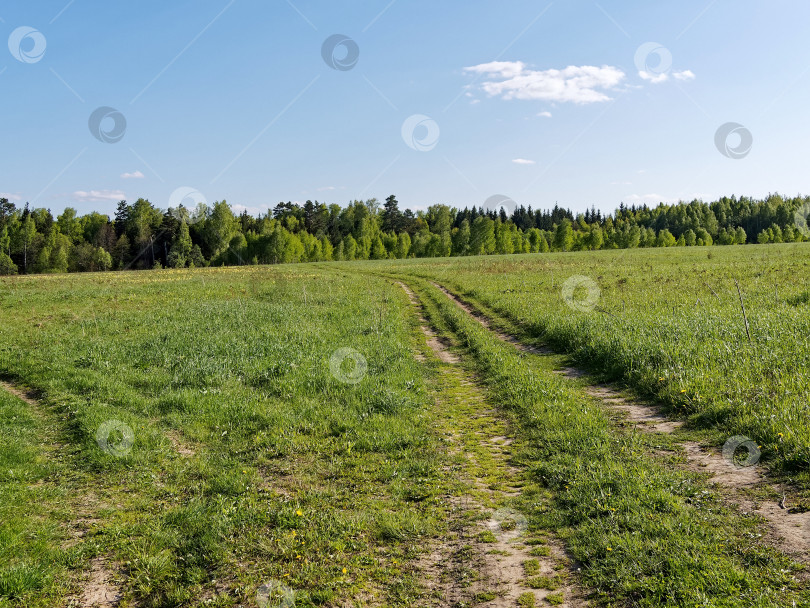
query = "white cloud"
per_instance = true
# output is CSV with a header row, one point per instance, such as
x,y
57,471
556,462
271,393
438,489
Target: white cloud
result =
x,y
523,161
135,175
545,114
98,196
10,196
664,76
506,69
654,78
576,84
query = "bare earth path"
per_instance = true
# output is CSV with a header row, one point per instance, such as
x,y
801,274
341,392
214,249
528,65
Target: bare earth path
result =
x,y
486,556
789,530
19,393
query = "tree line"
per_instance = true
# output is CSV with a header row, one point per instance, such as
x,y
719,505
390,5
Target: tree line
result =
x,y
141,236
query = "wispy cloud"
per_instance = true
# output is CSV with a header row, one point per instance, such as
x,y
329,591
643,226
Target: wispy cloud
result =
x,y
653,77
505,69
685,75
10,196
664,76
575,84
544,114
523,161
135,175
98,196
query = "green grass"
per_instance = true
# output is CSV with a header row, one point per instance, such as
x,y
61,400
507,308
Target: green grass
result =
x,y
645,532
544,582
531,567
487,536
670,325
34,552
289,473
251,462
526,600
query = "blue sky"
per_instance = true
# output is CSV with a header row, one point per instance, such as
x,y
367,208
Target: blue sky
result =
x,y
233,99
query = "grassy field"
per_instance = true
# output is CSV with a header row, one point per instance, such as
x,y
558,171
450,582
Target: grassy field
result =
x,y
214,437
670,325
248,461
645,532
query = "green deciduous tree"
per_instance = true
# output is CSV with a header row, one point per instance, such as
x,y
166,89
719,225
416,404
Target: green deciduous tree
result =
x,y
482,236
461,239
690,238
219,228
181,247
564,236
665,239
25,239
403,245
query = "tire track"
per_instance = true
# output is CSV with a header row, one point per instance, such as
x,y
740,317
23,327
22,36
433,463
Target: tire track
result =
x,y
483,558
26,396
97,589
789,529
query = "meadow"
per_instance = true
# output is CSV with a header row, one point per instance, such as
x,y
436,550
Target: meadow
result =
x,y
249,435
249,460
670,324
